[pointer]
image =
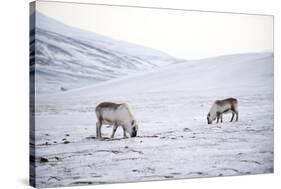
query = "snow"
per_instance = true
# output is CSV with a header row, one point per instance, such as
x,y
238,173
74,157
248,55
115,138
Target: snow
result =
x,y
70,58
174,140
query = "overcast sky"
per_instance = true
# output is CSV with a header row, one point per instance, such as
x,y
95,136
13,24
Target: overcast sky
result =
x,y
182,34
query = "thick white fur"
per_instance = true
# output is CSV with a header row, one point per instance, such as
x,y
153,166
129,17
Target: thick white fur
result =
x,y
218,108
121,116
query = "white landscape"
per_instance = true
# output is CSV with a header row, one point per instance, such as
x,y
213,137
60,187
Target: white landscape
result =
x,y
169,97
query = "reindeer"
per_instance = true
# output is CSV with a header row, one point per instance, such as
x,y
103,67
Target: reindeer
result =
x,y
223,106
116,115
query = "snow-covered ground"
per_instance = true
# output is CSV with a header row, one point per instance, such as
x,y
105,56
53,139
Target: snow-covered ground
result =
x,y
174,140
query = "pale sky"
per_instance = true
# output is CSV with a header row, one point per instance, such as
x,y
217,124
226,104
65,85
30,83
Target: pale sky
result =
x,y
182,34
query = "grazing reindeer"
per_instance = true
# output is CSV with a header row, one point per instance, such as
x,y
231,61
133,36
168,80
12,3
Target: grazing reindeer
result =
x,y
116,115
223,106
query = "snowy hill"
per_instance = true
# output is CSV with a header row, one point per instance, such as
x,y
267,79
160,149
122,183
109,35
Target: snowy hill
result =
x,y
174,140
68,58
242,71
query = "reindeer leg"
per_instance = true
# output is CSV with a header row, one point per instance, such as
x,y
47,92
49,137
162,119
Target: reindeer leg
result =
x,y
236,116
124,133
98,129
232,117
115,126
221,117
218,117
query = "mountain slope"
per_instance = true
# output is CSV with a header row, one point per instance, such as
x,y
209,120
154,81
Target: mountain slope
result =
x,y
68,58
241,71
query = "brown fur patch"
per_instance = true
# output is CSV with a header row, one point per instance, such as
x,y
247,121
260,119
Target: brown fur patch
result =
x,y
108,105
231,101
226,111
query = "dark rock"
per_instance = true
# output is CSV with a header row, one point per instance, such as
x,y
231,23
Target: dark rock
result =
x,y
169,176
63,89
186,130
55,178
83,182
43,160
91,137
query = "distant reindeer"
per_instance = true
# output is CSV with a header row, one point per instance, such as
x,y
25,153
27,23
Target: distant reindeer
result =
x,y
223,106
116,115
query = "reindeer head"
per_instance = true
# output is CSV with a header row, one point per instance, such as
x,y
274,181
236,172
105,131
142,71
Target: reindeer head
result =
x,y
211,117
